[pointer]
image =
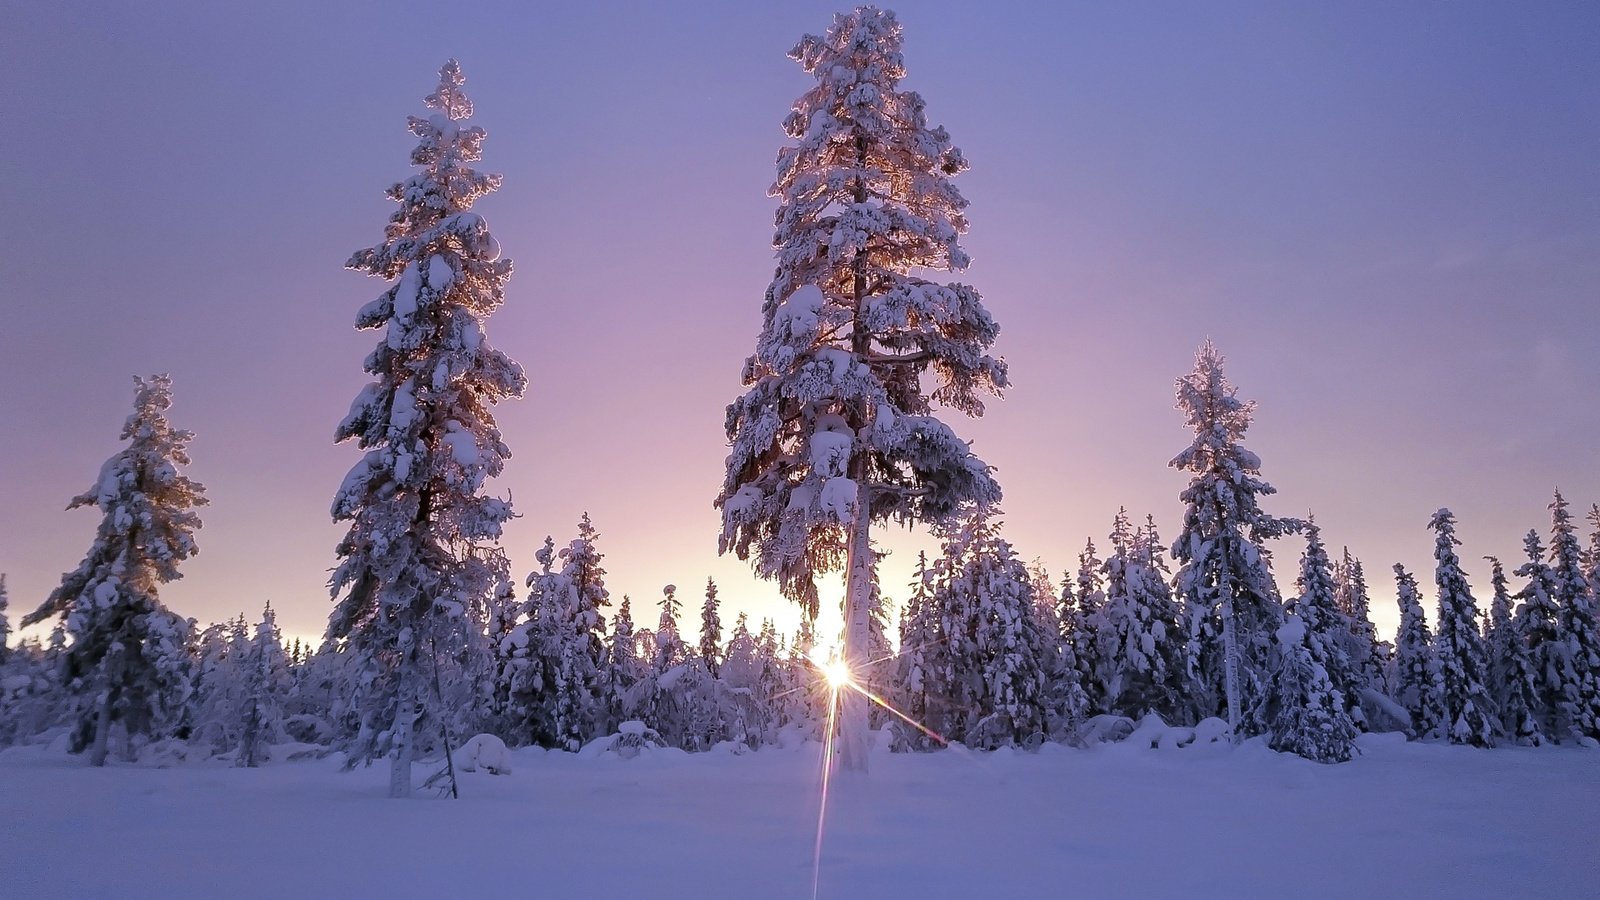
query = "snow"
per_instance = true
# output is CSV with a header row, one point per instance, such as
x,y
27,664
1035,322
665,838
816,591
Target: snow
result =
x,y
1421,820
830,451
439,273
486,752
796,317
839,498
463,444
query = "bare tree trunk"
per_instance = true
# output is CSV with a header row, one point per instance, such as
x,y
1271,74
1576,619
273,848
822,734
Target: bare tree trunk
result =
x,y
1230,643
102,731
854,732
853,725
405,719
444,727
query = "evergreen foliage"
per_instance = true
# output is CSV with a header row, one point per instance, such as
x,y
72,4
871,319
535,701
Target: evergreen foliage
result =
x,y
1328,630
1231,603
1416,678
836,429
127,664
1353,601
1139,657
711,630
1511,673
1469,713
422,548
1579,704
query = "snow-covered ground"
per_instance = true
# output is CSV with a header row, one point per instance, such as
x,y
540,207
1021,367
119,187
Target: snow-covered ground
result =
x,y
1403,820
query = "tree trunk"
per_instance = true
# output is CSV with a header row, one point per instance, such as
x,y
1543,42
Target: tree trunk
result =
x,y
854,734
853,727
102,732
248,740
1230,644
405,719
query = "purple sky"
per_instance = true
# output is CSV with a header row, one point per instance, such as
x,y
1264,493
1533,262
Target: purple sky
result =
x,y
1386,215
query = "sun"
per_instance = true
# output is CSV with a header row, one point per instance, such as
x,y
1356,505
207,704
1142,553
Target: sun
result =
x,y
832,667
837,673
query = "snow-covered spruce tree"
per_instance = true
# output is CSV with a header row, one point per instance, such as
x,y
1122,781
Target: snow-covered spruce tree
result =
x,y
217,686
423,543
266,682
560,656
920,660
624,667
1579,705
1469,713
127,664
1081,622
1140,660
711,630
657,698
1305,712
1045,597
1538,623
5,623
1231,603
1069,698
1353,601
1326,626
836,429
995,677
748,714
30,689
1416,676
1592,555
1309,700
502,614
581,569
670,649
1511,681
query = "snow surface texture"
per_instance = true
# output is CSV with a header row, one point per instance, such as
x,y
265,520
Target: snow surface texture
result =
x,y
1401,820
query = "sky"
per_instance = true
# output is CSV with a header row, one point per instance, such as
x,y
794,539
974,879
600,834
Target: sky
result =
x,y
1387,216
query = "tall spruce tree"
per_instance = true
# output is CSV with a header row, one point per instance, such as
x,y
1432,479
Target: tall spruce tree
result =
x,y
1304,710
1538,623
995,675
1352,599
1416,676
1592,555
1082,623
1231,602
423,545
1140,658
920,661
127,663
266,684
624,666
1469,713
1511,677
1309,702
1579,705
563,688
670,650
1326,626
5,623
711,630
836,429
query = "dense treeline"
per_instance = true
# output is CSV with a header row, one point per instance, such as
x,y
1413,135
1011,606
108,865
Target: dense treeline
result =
x,y
990,653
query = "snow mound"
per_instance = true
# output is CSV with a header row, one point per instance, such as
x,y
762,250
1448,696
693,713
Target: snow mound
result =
x,y
486,752
1151,733
632,738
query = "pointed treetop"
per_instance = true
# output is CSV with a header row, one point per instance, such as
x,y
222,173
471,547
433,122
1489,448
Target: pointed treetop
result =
x,y
449,97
